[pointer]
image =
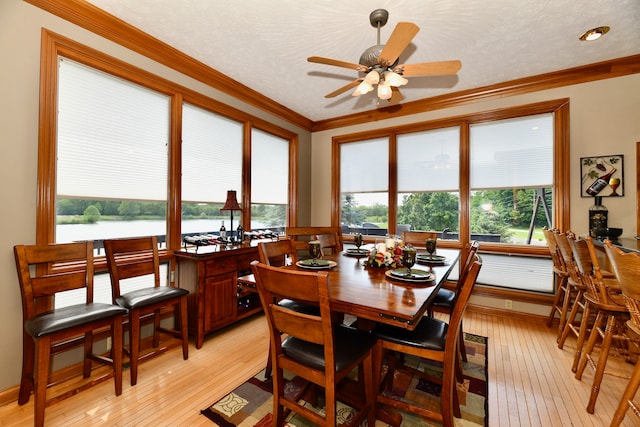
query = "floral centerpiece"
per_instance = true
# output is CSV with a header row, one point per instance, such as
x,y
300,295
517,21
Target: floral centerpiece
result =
x,y
385,256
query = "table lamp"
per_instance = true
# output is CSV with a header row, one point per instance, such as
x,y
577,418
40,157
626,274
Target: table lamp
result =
x,y
231,205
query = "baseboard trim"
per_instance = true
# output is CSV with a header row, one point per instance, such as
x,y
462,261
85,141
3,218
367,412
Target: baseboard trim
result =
x,y
511,314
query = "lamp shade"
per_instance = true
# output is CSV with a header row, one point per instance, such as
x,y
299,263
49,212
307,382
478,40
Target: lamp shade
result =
x,y
232,202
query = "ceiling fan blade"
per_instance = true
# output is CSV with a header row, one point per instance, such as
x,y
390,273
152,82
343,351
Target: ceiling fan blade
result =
x,y
337,63
397,43
344,88
429,68
396,96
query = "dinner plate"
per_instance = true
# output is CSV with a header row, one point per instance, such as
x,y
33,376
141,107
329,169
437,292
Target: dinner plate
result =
x,y
431,259
357,252
321,264
417,276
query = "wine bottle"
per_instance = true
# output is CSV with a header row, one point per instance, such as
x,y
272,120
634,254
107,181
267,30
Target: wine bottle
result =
x,y
600,183
240,233
598,217
223,231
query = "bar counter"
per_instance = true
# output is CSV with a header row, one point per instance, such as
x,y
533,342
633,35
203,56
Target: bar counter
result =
x,y
630,244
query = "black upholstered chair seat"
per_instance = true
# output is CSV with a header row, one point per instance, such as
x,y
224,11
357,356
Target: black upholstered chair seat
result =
x,y
69,317
300,307
350,345
148,296
429,334
444,298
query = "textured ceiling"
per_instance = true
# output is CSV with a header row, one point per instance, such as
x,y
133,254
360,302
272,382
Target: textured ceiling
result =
x,y
264,44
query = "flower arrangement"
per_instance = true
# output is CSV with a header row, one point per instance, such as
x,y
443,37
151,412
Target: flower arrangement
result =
x,y
383,256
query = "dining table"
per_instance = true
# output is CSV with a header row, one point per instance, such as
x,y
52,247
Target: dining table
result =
x,y
373,295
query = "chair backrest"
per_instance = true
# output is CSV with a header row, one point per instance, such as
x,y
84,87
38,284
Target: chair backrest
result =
x,y
584,265
466,265
58,268
556,257
462,299
626,266
276,253
132,257
418,238
275,284
562,240
330,237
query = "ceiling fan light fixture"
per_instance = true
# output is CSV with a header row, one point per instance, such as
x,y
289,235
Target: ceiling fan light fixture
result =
x,y
594,33
395,79
372,78
362,88
384,90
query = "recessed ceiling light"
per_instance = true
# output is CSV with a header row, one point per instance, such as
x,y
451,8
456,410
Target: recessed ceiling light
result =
x,y
594,34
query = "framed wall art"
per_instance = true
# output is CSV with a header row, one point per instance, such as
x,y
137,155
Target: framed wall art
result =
x,y
602,176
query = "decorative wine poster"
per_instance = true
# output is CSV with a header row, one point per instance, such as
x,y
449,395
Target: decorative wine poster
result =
x,y
602,176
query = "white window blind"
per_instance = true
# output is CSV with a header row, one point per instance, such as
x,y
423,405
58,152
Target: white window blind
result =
x,y
364,166
211,156
429,160
512,153
269,168
112,139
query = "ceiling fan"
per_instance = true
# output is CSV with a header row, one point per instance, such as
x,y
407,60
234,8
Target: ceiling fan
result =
x,y
379,63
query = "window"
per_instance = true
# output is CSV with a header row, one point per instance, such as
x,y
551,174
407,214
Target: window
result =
x,y
211,165
269,181
111,162
428,180
512,178
487,177
364,186
112,156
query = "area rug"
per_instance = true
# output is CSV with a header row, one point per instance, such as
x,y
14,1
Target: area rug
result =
x,y
251,403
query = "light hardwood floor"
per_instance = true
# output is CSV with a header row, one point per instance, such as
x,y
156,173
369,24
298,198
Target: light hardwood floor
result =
x,y
530,382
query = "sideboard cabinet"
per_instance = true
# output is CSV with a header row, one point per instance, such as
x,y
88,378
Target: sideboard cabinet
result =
x,y
216,299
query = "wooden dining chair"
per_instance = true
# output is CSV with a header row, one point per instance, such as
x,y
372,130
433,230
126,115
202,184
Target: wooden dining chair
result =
x,y
278,254
445,299
626,267
561,275
609,327
138,257
418,238
330,238
312,346
432,339
43,272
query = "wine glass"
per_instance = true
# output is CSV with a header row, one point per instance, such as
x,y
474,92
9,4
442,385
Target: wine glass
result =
x,y
409,257
315,250
614,183
357,240
430,245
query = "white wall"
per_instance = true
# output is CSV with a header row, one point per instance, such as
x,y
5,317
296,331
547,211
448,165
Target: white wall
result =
x,y
20,29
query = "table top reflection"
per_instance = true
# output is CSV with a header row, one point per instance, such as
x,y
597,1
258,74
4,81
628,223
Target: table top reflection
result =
x,y
367,293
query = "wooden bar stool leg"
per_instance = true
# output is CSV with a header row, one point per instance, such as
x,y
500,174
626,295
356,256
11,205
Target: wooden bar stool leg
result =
x,y
627,396
593,337
602,362
184,331
571,318
134,344
584,330
43,352
566,302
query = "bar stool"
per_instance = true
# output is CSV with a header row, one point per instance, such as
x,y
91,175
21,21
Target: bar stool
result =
x,y
609,326
561,275
574,301
626,267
